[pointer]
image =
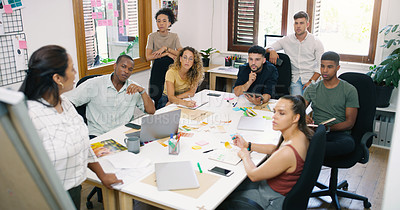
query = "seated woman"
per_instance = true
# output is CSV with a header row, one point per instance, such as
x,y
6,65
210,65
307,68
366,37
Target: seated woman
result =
x,y
183,78
268,183
64,135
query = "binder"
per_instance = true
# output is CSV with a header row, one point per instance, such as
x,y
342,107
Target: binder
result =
x,y
383,129
389,131
377,125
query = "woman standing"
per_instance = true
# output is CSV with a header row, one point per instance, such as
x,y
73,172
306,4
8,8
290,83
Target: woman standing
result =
x,y
268,183
162,48
64,135
183,78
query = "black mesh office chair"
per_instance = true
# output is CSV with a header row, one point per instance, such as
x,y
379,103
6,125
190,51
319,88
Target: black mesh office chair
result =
x,y
362,134
298,197
285,76
82,111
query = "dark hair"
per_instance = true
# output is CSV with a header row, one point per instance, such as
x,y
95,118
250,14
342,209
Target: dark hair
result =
x,y
43,64
168,12
299,107
124,56
331,56
257,49
301,14
195,74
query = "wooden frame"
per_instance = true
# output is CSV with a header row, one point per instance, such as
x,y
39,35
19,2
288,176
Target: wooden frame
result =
x,y
231,25
145,28
370,58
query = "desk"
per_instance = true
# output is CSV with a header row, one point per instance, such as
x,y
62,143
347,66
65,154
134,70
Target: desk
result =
x,y
227,72
134,188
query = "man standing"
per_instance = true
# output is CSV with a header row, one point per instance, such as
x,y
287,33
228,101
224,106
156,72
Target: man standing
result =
x,y
111,99
334,98
257,76
304,51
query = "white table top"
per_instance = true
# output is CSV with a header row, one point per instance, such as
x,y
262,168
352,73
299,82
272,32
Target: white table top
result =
x,y
155,152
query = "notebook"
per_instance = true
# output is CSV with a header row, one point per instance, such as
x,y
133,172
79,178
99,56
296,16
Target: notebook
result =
x,y
229,156
158,126
176,176
252,123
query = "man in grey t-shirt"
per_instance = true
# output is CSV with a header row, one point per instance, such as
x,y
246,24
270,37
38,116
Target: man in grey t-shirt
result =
x,y
334,98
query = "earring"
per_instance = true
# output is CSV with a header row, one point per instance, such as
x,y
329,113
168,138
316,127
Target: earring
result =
x,y
62,85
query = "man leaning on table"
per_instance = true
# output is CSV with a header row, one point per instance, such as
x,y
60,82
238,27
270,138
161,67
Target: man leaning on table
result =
x,y
111,99
257,76
304,51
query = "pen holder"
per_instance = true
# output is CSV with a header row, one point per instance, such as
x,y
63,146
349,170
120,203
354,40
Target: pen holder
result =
x,y
228,62
173,147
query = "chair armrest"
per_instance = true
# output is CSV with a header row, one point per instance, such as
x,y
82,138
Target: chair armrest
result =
x,y
364,146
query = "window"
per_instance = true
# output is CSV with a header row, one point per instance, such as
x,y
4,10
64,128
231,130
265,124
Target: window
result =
x,y
105,29
349,30
250,20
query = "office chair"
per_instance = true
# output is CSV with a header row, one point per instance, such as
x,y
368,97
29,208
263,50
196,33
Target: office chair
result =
x,y
299,195
285,76
362,134
82,111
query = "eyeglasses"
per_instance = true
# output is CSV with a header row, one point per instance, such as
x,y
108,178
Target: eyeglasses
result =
x,y
187,58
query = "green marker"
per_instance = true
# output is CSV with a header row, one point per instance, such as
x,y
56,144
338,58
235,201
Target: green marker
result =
x,y
198,165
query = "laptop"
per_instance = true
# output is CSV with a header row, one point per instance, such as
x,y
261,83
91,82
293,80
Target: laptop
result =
x,y
176,176
158,126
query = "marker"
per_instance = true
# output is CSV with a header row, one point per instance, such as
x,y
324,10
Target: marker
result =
x,y
198,165
208,151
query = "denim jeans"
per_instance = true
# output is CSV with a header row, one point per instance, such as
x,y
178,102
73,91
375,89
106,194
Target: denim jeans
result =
x,y
296,88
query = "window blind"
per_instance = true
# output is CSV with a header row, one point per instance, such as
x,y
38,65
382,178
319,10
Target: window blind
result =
x,y
246,24
90,35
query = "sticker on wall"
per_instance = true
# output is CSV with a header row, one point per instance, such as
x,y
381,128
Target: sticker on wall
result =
x,y
173,5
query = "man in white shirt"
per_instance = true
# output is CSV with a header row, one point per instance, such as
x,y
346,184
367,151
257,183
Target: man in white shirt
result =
x,y
111,99
304,50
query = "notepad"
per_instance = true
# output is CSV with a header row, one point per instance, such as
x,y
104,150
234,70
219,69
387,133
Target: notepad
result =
x,y
193,108
252,123
175,176
226,156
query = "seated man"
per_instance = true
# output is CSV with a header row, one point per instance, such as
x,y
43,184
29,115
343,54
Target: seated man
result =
x,y
257,76
334,98
111,99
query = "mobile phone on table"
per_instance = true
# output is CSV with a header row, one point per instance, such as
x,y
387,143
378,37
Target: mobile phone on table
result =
x,y
221,171
133,125
257,95
214,94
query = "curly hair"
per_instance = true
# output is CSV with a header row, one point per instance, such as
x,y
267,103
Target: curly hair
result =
x,y
195,75
168,12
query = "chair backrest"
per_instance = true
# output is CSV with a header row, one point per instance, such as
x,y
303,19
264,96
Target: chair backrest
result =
x,y
285,76
367,101
82,109
298,197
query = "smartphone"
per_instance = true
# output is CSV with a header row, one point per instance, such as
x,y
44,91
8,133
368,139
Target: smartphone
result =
x,y
221,171
257,95
133,125
214,94
279,62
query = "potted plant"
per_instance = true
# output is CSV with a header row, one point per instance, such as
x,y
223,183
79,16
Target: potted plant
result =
x,y
386,75
206,55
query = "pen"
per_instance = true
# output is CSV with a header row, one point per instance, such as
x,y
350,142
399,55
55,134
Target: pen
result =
x,y
208,151
234,104
198,165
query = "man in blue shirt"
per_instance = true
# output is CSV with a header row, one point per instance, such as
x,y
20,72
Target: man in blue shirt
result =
x,y
257,76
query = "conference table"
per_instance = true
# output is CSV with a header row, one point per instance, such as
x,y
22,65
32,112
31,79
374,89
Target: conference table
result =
x,y
211,126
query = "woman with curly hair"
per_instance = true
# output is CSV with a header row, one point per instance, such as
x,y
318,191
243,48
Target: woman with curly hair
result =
x,y
162,48
183,78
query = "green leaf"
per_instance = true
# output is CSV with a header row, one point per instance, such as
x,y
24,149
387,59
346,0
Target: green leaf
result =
x,y
384,28
389,43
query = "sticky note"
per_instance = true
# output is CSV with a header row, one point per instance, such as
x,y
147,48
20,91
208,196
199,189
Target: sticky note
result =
x,y
196,147
109,22
116,14
8,9
227,145
267,118
22,44
100,23
98,4
125,1
94,15
236,109
126,22
100,15
121,30
202,142
120,23
110,5
93,3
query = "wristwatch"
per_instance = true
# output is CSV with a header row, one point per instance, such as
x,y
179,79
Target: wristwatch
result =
x,y
249,147
143,91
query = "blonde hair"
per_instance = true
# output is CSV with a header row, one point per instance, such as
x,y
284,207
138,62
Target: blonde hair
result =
x,y
195,75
